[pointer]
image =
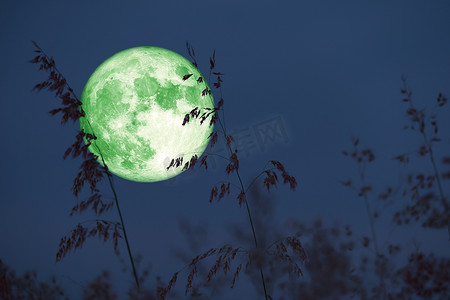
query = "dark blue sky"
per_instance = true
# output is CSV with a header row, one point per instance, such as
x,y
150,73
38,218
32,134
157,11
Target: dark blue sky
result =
x,y
325,70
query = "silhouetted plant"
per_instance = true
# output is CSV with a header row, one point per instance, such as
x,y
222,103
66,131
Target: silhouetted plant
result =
x,y
227,254
100,289
425,276
340,262
404,284
362,158
91,171
431,208
28,286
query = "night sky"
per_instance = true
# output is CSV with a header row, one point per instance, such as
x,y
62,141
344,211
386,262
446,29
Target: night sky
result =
x,y
300,80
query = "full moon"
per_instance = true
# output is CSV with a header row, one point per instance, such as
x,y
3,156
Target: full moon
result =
x,y
135,103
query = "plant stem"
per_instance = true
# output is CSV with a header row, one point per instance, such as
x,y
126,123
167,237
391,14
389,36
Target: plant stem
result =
x,y
117,205
118,209
256,245
441,192
372,229
427,144
249,214
124,231
109,176
242,188
371,220
251,224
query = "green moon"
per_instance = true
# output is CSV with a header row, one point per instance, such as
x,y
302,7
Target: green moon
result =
x,y
135,103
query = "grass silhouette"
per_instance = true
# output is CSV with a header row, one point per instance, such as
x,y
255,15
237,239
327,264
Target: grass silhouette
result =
x,y
335,261
92,173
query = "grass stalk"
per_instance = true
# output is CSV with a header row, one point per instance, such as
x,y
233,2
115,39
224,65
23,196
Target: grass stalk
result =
x,y
116,200
372,230
438,180
124,230
108,175
248,212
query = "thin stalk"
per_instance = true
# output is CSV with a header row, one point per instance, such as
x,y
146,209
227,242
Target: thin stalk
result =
x,y
251,224
254,237
370,216
372,229
119,211
441,191
430,150
242,188
256,241
124,231
249,216
109,176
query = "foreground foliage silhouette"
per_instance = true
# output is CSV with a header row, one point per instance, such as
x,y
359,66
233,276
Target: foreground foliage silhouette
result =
x,y
341,262
92,173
